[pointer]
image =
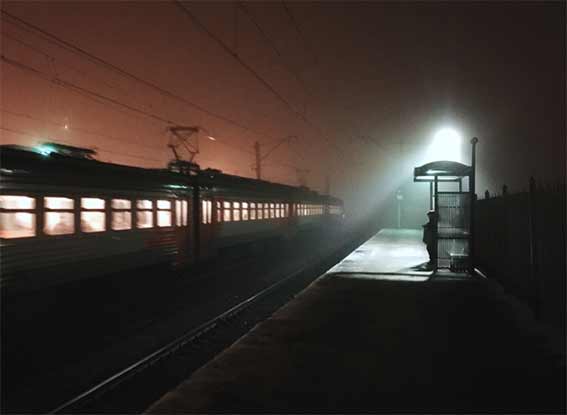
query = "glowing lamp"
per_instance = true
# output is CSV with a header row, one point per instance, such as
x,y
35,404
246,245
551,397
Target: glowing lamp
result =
x,y
446,146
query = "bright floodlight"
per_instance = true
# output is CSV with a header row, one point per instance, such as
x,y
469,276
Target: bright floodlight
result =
x,y
446,146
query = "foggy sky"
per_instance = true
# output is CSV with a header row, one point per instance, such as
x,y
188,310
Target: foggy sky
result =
x,y
362,86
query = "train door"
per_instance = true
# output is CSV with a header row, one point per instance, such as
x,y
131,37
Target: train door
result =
x,y
182,232
206,226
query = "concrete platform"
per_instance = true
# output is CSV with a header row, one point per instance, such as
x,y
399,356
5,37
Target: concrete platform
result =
x,y
373,336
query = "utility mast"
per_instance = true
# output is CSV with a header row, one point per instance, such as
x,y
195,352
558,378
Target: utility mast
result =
x,y
259,158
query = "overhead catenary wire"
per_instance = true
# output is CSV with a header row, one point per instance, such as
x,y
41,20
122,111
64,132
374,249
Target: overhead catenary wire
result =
x,y
100,97
100,61
94,95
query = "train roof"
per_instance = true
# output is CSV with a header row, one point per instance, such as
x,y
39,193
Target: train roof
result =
x,y
19,164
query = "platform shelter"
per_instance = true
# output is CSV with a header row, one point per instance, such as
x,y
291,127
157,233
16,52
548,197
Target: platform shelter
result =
x,y
451,196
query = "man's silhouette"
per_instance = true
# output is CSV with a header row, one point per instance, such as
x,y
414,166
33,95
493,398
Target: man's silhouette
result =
x,y
429,232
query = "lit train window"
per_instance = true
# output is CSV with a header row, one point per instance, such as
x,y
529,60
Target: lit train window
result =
x,y
244,210
286,210
260,211
59,203
16,202
59,217
206,215
236,211
282,213
16,224
227,209
121,214
178,213
164,204
185,205
163,213
92,203
252,211
272,213
219,212
144,204
181,212
144,214
277,210
92,214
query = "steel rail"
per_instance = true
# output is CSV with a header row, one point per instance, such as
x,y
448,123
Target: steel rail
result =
x,y
172,346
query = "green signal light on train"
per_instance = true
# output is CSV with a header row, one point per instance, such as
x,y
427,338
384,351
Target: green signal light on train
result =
x,y
45,150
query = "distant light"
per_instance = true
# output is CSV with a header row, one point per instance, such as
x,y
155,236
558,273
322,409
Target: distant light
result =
x,y
210,137
446,146
66,127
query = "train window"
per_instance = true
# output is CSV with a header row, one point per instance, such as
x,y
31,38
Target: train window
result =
x,y
144,214
277,212
92,203
219,212
260,211
282,212
266,211
121,204
164,204
236,211
244,210
185,205
178,213
58,203
206,214
121,214
92,214
59,217
252,211
144,204
16,224
163,213
16,202
227,212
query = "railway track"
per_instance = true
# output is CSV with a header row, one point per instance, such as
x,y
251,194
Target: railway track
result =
x,y
121,392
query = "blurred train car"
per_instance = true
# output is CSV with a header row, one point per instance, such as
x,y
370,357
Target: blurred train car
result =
x,y
65,215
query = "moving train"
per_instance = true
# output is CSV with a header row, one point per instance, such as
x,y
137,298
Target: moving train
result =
x,y
64,215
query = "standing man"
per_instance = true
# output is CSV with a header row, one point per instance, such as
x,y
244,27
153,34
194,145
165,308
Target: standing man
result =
x,y
429,238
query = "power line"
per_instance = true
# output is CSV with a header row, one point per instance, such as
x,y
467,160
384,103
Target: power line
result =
x,y
98,96
232,53
299,32
93,58
271,43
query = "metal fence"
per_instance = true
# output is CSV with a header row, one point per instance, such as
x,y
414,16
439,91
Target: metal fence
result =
x,y
453,230
521,243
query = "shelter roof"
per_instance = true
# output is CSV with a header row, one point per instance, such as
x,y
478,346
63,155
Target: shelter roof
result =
x,y
444,170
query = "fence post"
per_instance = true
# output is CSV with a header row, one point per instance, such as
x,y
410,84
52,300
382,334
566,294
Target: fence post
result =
x,y
534,278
